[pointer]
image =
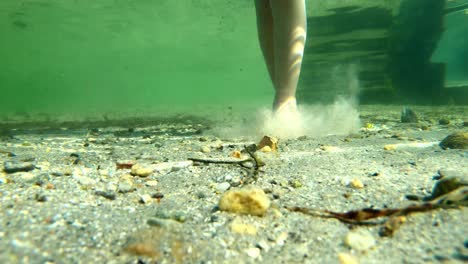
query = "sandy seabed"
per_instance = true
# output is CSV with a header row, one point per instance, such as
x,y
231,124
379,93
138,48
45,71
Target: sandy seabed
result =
x,y
79,202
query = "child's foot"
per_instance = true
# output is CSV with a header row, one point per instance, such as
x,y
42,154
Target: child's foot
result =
x,y
286,121
287,107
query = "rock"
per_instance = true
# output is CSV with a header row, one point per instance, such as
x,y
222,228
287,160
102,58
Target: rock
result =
x,y
457,140
222,187
205,149
151,183
163,223
408,116
245,201
266,149
345,258
125,184
106,194
444,121
253,252
446,185
84,180
17,166
140,170
240,228
359,239
268,141
146,199
390,147
356,183
236,154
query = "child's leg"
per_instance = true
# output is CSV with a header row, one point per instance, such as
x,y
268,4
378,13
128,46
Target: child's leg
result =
x,y
290,27
265,35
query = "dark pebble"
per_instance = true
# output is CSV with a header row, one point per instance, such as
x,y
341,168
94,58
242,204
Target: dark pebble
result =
x,y
108,195
40,197
412,197
444,121
157,195
408,116
457,140
16,166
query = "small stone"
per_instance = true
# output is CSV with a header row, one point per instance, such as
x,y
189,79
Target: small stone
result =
x,y
83,180
152,183
17,166
408,116
356,183
265,149
125,184
158,195
245,201
329,148
107,194
236,154
40,197
295,184
360,240
457,140
345,258
140,170
389,147
448,184
240,228
163,223
268,141
392,225
253,252
444,121
146,199
205,149
222,187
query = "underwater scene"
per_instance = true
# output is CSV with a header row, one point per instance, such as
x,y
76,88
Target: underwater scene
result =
x,y
264,131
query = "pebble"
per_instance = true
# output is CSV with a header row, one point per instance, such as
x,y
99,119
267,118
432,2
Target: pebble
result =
x,y
245,201
84,180
360,240
240,228
146,199
17,166
457,140
151,183
390,147
356,183
125,184
265,149
271,142
164,223
222,187
253,252
140,170
444,121
345,258
107,194
408,116
205,149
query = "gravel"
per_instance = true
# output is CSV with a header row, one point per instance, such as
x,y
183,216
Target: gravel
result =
x,y
56,210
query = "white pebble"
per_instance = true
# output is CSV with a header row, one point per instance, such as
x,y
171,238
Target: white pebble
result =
x,y
359,240
253,252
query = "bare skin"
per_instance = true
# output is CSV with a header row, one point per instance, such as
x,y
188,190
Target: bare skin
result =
x,y
282,27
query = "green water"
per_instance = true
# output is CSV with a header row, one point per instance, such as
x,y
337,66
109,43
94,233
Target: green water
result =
x,y
106,56
79,56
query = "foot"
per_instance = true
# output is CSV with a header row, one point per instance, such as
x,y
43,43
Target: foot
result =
x,y
288,106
